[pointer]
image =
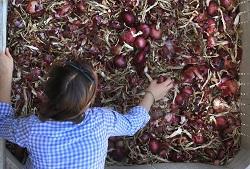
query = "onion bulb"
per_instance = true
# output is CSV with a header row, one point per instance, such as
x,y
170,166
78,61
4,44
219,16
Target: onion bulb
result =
x,y
145,29
128,18
155,33
140,42
213,8
128,36
120,61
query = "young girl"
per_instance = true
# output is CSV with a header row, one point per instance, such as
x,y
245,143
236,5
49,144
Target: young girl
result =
x,y
67,133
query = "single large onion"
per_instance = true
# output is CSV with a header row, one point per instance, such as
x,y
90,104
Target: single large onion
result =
x,y
187,91
199,139
213,8
228,4
154,146
120,61
229,87
81,6
180,99
128,18
221,122
140,42
155,33
140,58
128,36
34,6
145,29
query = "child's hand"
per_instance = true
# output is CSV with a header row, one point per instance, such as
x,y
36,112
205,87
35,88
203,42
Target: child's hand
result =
x,y
6,65
159,90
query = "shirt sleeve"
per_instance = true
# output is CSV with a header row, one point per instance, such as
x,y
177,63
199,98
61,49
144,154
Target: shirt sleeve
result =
x,y
13,129
125,125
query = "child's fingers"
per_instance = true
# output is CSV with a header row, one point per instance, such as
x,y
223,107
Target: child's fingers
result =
x,y
170,86
167,82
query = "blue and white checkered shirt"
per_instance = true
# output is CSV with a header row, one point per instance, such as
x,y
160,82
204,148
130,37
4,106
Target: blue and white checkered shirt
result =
x,y
65,145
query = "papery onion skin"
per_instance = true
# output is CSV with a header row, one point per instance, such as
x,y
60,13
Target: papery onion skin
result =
x,y
35,7
116,50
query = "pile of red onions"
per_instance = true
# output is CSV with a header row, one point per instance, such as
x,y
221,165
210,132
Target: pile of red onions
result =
x,y
128,42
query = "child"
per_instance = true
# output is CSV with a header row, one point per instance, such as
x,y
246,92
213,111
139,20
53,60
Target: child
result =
x,y
67,133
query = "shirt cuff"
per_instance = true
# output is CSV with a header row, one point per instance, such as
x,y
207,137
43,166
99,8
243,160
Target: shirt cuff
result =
x,y
6,109
143,111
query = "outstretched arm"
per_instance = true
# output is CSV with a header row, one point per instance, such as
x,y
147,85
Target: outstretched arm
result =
x,y
137,117
6,70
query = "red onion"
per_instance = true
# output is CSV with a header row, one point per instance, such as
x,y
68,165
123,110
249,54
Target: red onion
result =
x,y
199,139
146,48
128,36
180,99
188,75
34,6
128,18
81,6
154,146
213,8
140,42
221,122
144,138
228,4
163,153
64,10
201,17
155,34
116,50
229,87
211,26
174,107
145,29
140,58
187,91
120,61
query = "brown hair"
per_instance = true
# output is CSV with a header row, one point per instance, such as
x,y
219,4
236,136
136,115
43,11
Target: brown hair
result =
x,y
70,89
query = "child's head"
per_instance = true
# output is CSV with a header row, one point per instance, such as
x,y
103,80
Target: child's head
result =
x,y
70,90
